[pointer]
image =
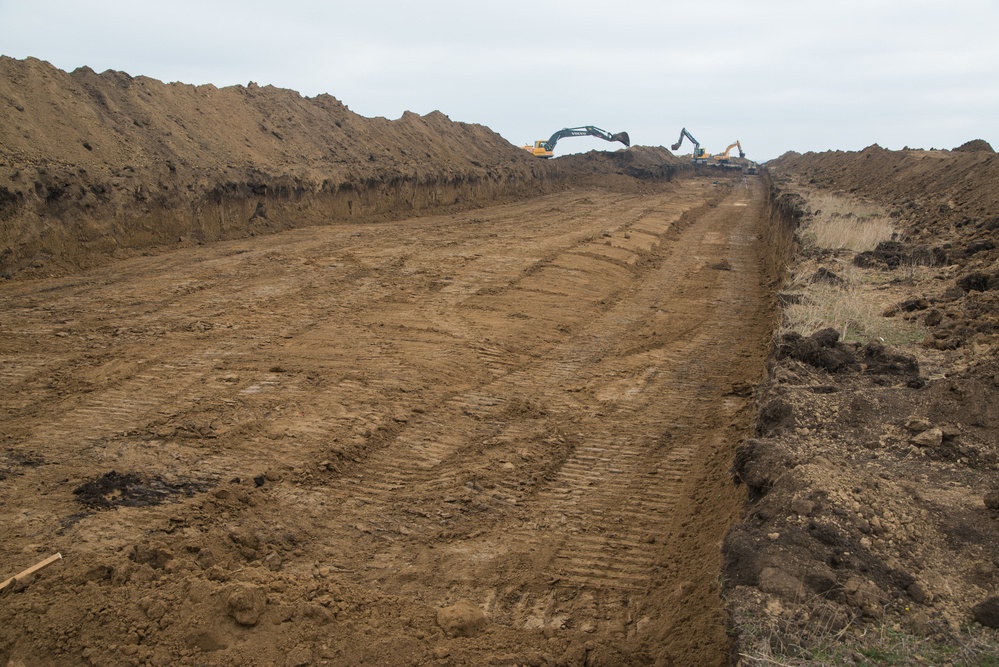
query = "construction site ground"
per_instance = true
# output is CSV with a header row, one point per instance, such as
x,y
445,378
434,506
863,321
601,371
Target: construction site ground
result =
x,y
284,385
499,436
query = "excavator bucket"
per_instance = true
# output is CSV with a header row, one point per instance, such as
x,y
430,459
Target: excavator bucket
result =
x,y
622,137
676,145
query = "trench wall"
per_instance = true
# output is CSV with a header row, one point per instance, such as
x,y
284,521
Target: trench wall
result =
x,y
782,214
66,222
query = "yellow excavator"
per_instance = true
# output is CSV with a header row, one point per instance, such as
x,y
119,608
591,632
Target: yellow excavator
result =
x,y
723,157
698,156
546,148
724,160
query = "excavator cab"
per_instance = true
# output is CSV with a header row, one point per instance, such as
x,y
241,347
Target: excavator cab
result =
x,y
539,149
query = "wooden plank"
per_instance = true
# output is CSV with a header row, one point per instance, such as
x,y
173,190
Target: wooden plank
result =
x,y
31,570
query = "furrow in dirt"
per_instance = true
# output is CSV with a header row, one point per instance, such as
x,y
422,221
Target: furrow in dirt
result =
x,y
521,407
625,482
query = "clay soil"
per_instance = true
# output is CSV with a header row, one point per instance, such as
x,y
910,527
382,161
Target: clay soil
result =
x,y
288,386
269,416
530,408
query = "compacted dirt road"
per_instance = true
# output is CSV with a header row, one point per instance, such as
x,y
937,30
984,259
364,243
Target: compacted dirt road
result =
x,y
494,437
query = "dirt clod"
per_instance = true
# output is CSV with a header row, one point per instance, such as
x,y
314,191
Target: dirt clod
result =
x,y
462,619
246,603
987,612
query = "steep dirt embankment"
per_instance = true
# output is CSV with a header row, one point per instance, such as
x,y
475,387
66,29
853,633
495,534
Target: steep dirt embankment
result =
x,y
873,474
92,165
944,199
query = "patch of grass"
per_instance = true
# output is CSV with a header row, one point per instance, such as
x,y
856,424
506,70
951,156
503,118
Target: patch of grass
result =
x,y
856,234
772,642
851,309
839,223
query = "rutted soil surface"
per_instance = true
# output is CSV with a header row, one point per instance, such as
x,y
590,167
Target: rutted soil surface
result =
x,y
492,437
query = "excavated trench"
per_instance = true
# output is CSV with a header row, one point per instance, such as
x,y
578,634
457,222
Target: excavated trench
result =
x,y
77,223
498,434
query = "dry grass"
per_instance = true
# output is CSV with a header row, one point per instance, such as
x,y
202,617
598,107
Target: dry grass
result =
x,y
843,224
771,641
880,647
853,307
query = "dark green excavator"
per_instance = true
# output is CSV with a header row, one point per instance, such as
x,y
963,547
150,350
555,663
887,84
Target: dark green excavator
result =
x,y
542,148
698,156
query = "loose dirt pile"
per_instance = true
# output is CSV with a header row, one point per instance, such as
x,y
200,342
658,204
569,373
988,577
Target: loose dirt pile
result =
x,y
873,528
98,165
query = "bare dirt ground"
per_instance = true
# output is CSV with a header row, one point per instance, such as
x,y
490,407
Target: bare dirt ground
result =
x,y
289,386
494,437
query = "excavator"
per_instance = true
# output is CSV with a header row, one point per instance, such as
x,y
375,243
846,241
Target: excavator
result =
x,y
698,156
546,149
723,159
724,156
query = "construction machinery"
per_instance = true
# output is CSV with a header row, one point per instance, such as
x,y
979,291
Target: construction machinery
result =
x,y
724,160
698,156
723,157
546,148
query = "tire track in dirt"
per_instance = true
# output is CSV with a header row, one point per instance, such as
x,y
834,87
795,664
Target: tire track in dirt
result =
x,y
512,406
623,476
413,457
649,411
225,309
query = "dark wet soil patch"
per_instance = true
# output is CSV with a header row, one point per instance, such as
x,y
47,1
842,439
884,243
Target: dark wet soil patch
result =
x,y
114,489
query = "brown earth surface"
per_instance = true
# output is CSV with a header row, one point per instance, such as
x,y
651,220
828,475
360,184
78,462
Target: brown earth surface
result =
x,y
288,386
308,444
267,416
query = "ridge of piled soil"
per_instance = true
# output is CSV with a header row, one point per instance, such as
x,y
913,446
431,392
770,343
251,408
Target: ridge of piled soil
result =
x,y
873,525
97,165
942,197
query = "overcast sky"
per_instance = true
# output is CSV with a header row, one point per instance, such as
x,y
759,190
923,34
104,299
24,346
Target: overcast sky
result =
x,y
778,75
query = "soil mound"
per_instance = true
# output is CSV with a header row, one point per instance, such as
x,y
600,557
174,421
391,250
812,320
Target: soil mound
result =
x,y
95,165
178,162
632,168
975,145
874,467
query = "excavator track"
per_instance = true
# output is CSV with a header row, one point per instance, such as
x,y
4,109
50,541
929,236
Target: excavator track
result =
x,y
530,407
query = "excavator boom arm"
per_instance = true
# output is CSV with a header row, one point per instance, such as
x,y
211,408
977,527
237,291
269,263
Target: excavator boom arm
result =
x,y
690,137
742,153
587,130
